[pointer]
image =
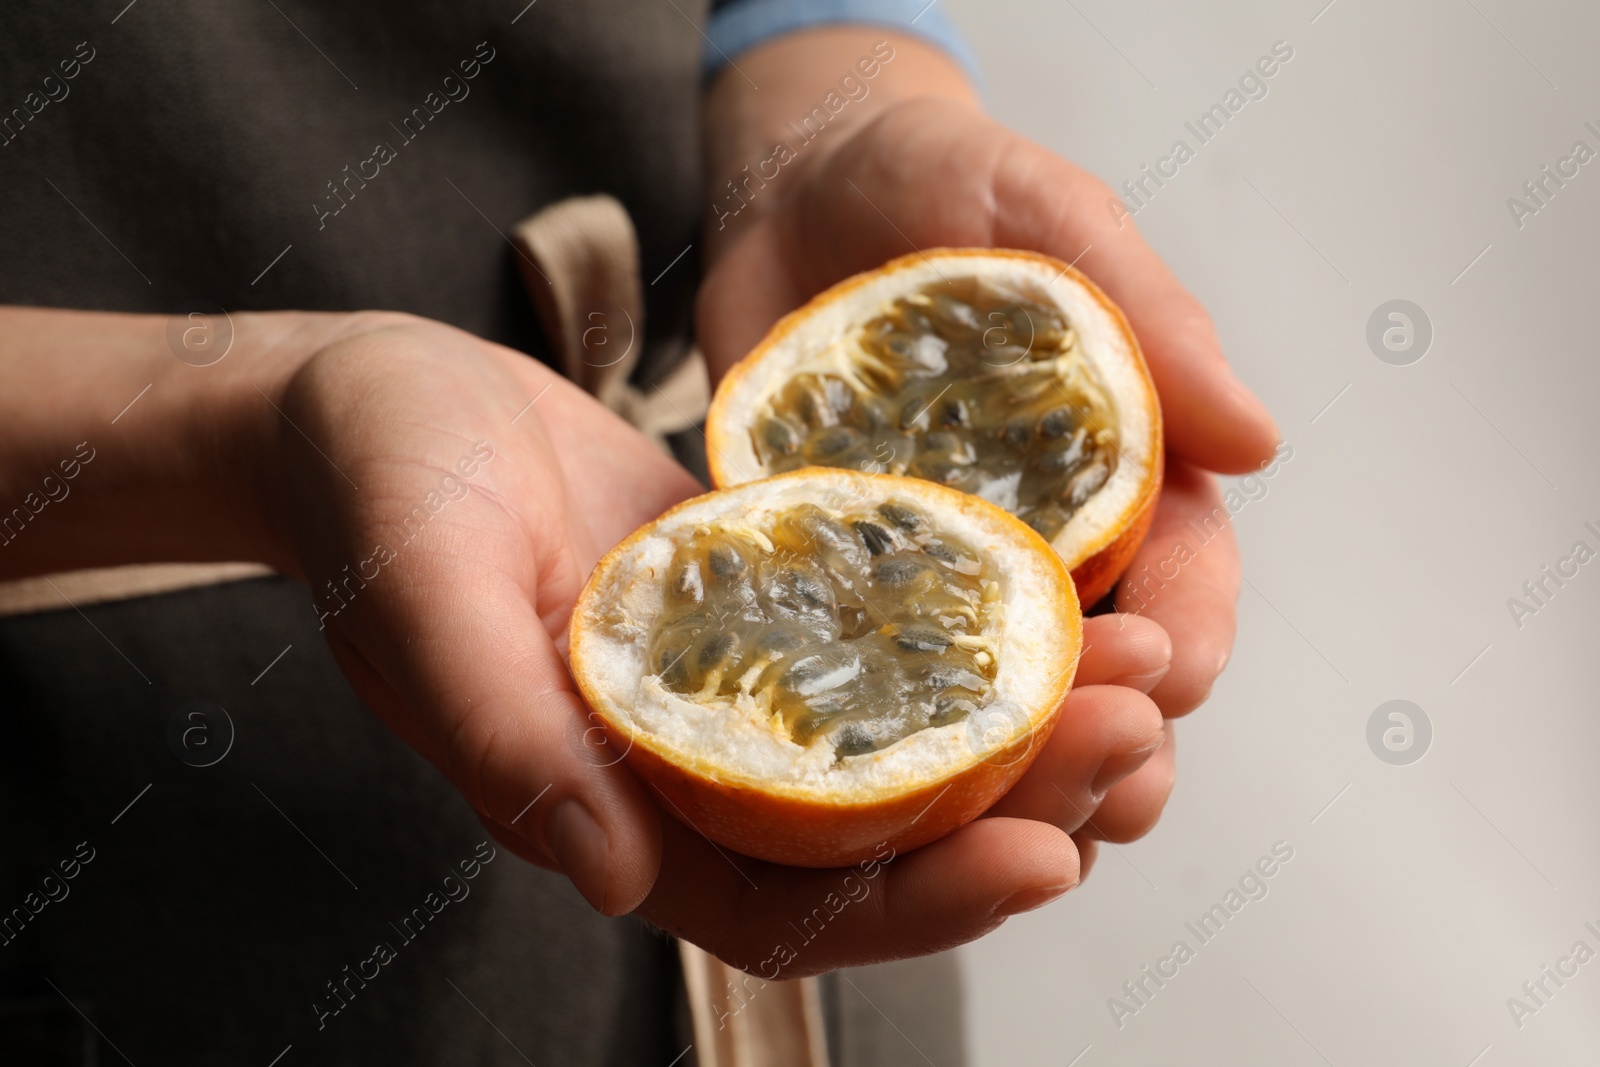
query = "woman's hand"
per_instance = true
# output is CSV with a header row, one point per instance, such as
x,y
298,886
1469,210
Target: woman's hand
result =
x,y
933,171
457,523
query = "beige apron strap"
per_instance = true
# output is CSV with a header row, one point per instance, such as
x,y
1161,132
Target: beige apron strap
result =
x,y
77,588
742,1020
580,261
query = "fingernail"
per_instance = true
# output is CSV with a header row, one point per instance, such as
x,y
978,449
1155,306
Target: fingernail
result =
x,y
1146,681
1029,899
1119,765
580,848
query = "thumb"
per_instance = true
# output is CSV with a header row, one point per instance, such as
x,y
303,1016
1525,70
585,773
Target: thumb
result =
x,y
1044,202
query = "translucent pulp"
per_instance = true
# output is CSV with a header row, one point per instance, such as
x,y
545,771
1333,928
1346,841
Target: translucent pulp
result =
x,y
848,628
961,383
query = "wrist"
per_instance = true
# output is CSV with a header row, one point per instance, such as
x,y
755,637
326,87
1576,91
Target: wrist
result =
x,y
243,428
820,88
128,440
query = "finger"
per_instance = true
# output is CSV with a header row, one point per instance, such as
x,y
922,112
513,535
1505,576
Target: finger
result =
x,y
499,716
1088,852
1123,650
384,701
787,921
1045,203
1134,805
1104,734
1186,577
508,838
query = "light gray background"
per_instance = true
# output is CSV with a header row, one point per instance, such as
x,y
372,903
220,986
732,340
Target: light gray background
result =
x,y
1382,558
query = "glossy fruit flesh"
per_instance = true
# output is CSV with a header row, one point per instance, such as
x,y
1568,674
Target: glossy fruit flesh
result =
x,y
962,383
852,629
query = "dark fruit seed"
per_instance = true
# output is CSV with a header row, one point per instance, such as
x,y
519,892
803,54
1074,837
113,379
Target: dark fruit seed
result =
x,y
942,472
896,571
877,539
776,640
953,413
1067,456
810,590
853,739
903,345
823,678
951,678
808,401
832,441
914,416
949,709
902,517
1017,433
1056,423
804,671
797,593
780,437
670,657
941,551
726,563
716,651
922,640
835,539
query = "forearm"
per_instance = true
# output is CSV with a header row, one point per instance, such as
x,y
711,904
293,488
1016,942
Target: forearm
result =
x,y
816,87
113,450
